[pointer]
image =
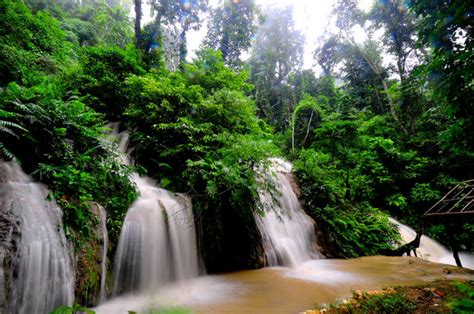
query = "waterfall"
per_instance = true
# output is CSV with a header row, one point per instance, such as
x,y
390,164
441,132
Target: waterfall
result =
x,y
432,250
288,233
157,243
105,239
41,277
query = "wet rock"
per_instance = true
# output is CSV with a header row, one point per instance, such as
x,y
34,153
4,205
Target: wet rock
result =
x,y
8,240
88,263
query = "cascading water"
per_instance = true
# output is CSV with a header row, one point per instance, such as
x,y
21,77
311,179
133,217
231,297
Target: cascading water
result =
x,y
105,239
157,243
432,250
41,276
288,233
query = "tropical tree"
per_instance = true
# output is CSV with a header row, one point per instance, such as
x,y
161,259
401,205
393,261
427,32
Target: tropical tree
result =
x,y
276,55
173,17
446,26
349,16
230,29
400,41
307,103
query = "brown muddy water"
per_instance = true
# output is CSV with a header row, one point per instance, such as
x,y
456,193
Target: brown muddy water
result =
x,y
286,290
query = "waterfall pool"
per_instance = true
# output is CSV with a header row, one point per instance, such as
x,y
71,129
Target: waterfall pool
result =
x,y
286,290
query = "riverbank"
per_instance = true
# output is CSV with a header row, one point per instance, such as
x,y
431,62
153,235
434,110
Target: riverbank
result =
x,y
440,296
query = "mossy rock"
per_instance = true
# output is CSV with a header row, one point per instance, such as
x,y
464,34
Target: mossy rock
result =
x,y
89,263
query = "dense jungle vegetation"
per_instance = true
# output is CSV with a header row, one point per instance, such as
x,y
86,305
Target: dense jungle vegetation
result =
x,y
386,127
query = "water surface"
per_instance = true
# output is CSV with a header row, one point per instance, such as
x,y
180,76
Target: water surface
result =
x,y
287,290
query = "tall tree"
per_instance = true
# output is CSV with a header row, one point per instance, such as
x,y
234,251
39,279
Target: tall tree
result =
x,y
177,16
189,18
329,54
400,41
276,54
348,16
340,58
399,34
447,27
167,33
364,85
231,27
165,12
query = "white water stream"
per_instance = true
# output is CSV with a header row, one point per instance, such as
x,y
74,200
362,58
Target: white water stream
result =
x,y
42,277
288,233
157,244
432,250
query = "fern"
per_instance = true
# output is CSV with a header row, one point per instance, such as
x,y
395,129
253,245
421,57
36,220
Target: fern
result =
x,y
8,128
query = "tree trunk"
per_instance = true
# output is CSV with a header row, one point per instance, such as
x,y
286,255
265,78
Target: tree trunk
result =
x,y
182,48
454,243
391,105
412,123
138,18
379,100
224,47
454,248
293,136
307,129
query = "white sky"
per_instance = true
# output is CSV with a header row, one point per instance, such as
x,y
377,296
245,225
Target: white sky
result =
x,y
311,18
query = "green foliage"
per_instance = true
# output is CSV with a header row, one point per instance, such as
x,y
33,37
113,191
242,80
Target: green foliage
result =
x,y
65,136
353,230
423,192
76,309
110,24
364,161
196,116
395,302
90,23
168,310
353,167
232,169
306,103
446,28
103,77
466,304
29,43
400,32
209,71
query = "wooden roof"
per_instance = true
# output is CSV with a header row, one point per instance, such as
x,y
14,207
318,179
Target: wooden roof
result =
x,y
458,201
